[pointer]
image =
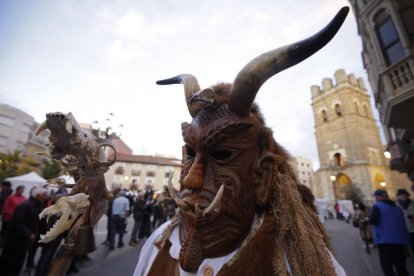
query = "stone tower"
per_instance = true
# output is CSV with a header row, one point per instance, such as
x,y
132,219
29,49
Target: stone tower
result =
x,y
349,146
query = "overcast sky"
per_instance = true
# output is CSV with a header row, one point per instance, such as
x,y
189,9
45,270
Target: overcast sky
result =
x,y
95,57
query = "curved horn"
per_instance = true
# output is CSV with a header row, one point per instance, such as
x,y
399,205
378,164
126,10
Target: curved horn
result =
x,y
190,87
249,80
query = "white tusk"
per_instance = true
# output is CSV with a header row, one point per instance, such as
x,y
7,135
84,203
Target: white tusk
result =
x,y
42,127
180,203
69,127
215,201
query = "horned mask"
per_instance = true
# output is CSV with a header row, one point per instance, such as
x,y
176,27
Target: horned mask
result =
x,y
227,172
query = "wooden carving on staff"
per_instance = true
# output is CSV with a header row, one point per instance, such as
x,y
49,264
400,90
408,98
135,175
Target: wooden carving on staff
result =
x,y
82,152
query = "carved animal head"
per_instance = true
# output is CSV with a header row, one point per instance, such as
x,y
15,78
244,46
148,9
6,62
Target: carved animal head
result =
x,y
231,163
67,208
76,148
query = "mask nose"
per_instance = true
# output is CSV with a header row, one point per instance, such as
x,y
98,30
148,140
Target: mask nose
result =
x,y
195,177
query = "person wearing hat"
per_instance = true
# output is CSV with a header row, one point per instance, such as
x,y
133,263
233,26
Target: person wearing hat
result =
x,y
22,232
407,205
389,233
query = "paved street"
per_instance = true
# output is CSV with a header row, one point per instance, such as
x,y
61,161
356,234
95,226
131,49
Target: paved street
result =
x,y
345,240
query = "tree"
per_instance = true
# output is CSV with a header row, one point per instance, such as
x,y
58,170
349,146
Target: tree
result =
x,y
9,164
51,169
354,193
13,164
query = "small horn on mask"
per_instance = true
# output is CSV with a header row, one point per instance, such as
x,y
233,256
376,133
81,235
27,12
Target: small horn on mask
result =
x,y
249,80
190,87
180,203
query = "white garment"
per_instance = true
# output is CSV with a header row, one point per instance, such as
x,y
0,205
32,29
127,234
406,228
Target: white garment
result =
x,y
149,251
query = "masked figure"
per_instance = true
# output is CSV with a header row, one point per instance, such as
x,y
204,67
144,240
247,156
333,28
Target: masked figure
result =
x,y
240,209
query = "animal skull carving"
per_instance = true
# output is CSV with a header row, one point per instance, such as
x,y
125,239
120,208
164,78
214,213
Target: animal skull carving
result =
x,y
68,208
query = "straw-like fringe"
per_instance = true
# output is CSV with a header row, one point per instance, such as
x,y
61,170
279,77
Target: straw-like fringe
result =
x,y
300,235
167,232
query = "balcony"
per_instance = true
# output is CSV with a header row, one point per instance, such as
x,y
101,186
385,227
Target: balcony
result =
x,y
136,172
402,155
396,94
119,170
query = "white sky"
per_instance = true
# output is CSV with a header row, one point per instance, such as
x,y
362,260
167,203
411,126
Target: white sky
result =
x,y
96,57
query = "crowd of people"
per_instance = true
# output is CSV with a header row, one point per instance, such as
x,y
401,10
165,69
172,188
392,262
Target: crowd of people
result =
x,y
149,210
388,225
21,227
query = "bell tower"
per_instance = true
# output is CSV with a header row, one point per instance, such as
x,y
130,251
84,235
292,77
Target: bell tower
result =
x,y
349,145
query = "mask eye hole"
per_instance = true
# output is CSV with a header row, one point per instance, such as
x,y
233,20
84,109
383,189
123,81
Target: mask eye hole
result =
x,y
190,152
221,154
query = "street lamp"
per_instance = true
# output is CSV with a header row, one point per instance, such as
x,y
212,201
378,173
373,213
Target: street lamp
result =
x,y
333,178
383,184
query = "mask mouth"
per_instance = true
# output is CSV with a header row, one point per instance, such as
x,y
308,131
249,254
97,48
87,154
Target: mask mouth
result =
x,y
188,203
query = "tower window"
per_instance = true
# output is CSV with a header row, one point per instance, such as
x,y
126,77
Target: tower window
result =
x,y
338,160
338,110
366,111
356,108
324,116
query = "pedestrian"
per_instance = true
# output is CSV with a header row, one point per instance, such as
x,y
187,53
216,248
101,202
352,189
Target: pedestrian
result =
x,y
138,212
407,205
6,191
10,205
145,230
114,192
22,232
360,220
389,233
120,212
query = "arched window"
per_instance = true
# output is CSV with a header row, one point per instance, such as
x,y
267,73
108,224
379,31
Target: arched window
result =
x,y
324,116
338,160
388,38
366,113
356,108
338,109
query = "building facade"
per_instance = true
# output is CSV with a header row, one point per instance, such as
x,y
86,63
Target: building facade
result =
x,y
304,170
386,28
141,170
15,128
349,145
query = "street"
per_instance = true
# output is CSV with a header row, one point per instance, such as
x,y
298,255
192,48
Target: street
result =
x,y
347,246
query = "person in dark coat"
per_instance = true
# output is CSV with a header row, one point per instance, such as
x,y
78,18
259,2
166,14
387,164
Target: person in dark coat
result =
x,y
22,232
389,233
138,212
145,230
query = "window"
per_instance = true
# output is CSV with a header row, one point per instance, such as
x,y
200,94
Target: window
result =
x,y
324,116
6,120
25,128
136,169
338,160
356,108
149,180
134,180
366,111
3,141
338,110
117,179
388,38
151,168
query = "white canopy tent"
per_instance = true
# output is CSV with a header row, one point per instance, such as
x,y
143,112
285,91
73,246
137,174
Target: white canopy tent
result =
x,y
28,180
